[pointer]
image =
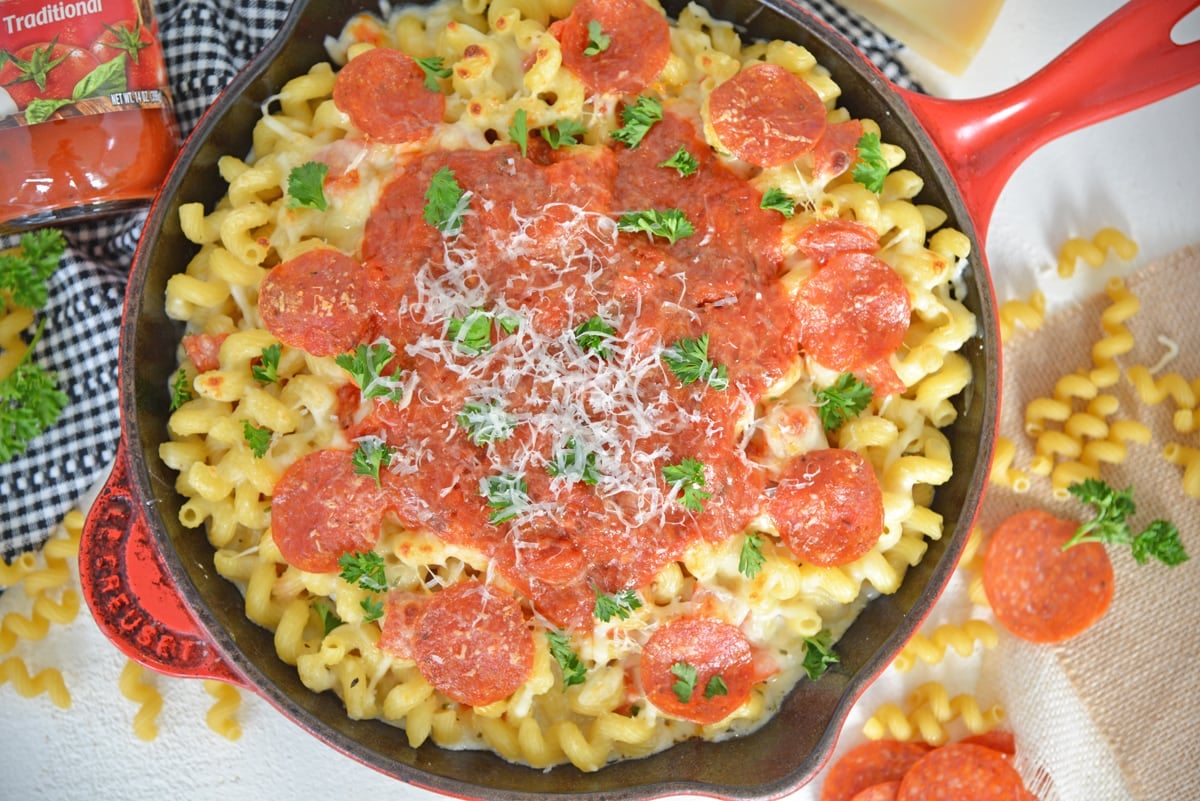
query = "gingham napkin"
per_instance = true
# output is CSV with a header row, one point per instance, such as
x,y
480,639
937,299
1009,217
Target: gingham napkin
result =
x,y
205,42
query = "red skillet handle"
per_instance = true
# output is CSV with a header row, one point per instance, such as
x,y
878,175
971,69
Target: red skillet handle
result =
x,y
1126,62
130,595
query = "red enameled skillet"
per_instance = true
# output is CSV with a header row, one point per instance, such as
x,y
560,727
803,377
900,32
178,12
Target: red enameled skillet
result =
x,y
150,582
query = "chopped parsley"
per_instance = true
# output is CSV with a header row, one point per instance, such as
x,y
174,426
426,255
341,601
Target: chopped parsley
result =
x,y
564,132
750,560
434,68
486,422
598,41
507,495
715,686
306,186
671,224
593,335
372,608
688,360
778,200
637,120
327,616
371,456
619,605
364,569
818,655
472,334
870,169
267,370
518,131
685,683
365,365
445,202
573,670
181,389
683,161
575,463
688,477
259,439
846,398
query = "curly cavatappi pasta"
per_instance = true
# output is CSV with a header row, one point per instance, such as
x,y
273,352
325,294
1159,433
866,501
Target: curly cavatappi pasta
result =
x,y
633,464
928,715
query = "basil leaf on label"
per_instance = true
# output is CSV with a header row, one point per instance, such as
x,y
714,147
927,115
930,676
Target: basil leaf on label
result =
x,y
106,79
42,109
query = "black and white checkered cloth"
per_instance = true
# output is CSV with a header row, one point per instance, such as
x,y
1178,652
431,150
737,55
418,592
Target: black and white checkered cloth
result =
x,y
205,42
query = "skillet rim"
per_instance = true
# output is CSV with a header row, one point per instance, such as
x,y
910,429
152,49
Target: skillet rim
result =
x,y
142,398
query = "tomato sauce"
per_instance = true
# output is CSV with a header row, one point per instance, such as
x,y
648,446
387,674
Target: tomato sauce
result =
x,y
86,126
540,243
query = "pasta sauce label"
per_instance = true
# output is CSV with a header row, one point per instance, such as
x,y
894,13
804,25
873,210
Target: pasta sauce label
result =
x,y
72,58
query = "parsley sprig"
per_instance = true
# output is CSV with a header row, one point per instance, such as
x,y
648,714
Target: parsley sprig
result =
x,y
637,119
306,186
257,437
472,333
30,403
870,169
671,224
688,360
24,273
1110,526
573,670
844,399
619,605
688,477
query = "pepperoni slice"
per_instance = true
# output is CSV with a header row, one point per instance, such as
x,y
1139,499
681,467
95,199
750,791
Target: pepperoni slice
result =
x,y
720,655
828,507
403,613
383,92
961,772
321,509
837,149
204,350
882,378
854,311
639,44
766,116
318,301
886,791
473,644
1038,591
821,240
997,740
865,766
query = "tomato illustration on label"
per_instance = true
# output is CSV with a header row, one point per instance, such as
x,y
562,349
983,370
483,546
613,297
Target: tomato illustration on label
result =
x,y
47,69
145,67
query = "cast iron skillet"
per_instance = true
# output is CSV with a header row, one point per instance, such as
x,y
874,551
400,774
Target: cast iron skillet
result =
x,y
150,582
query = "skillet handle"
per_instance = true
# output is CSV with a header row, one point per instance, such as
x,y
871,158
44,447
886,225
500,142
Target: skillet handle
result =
x,y
131,597
1126,62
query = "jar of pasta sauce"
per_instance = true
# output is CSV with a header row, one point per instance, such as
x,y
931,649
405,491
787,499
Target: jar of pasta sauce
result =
x,y
86,126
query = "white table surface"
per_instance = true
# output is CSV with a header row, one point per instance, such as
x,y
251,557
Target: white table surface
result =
x,y
1139,173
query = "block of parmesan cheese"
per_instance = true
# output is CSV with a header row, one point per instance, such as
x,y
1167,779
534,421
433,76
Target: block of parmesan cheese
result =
x,y
946,32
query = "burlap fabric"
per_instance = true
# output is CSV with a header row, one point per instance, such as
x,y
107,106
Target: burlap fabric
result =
x,y
1112,714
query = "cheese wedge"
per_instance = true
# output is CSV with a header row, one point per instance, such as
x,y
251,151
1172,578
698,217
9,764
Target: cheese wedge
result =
x,y
946,32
